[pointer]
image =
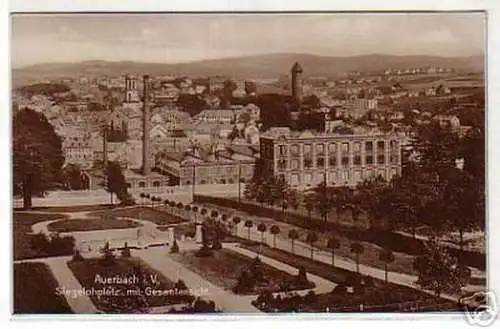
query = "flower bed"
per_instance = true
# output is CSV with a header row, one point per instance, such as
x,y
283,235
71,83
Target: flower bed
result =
x,y
156,216
150,288
91,224
35,290
23,237
225,267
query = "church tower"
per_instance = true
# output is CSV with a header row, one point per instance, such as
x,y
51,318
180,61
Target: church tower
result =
x,y
297,81
131,94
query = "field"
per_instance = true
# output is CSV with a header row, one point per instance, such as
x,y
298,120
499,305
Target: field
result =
x,y
153,215
225,266
22,223
91,224
125,297
35,291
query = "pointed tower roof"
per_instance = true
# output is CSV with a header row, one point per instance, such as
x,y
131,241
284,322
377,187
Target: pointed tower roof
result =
x,y
297,68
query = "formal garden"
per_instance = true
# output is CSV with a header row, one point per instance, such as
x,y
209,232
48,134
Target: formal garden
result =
x,y
356,295
353,290
240,274
34,245
147,288
92,224
36,290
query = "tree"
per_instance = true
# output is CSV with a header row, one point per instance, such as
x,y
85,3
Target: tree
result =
x,y
439,270
248,225
262,229
179,208
250,87
236,221
115,181
332,244
175,248
293,235
275,230
37,155
312,102
312,238
357,249
323,201
464,196
192,104
73,177
387,257
309,204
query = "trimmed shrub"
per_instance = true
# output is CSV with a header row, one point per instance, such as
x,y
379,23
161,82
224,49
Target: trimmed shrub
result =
x,y
126,251
204,251
175,248
216,245
77,256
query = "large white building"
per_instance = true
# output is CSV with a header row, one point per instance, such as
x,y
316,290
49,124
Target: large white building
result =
x,y
304,159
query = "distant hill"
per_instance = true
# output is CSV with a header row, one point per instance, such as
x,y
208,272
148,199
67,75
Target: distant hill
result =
x,y
256,67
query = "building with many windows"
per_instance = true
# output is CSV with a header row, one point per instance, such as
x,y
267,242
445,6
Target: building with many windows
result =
x,y
305,159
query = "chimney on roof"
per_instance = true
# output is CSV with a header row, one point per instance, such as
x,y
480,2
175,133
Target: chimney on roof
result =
x,y
146,127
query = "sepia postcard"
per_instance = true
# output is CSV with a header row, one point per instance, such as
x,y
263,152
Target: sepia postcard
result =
x,y
249,163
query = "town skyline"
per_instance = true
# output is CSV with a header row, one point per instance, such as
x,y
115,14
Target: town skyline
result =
x,y
65,38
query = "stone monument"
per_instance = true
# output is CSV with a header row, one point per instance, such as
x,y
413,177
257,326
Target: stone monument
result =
x,y
198,238
171,235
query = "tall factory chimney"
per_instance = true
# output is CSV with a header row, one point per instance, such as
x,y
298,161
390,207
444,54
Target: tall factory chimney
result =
x,y
105,147
146,127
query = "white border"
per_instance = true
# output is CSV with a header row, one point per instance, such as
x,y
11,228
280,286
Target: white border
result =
x,y
256,5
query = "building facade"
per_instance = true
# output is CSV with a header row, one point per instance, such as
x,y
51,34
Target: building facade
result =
x,y
306,159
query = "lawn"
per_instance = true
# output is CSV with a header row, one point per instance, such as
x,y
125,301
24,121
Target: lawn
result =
x,y
180,229
130,297
224,267
21,225
91,224
156,216
35,290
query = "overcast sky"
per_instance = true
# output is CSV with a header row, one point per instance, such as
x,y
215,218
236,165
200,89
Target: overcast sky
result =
x,y
175,38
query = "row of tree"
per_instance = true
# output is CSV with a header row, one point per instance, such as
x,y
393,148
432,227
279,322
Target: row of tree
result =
x,y
433,191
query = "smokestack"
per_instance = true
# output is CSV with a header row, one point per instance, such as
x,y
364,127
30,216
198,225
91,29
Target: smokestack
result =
x,y
105,147
146,127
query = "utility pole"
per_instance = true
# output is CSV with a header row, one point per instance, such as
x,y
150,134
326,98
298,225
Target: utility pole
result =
x,y
239,182
194,181
325,198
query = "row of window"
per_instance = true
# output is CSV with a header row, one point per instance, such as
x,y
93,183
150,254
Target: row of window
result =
x,y
216,181
332,147
334,177
345,161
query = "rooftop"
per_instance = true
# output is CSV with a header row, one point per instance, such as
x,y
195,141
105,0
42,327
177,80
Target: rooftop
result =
x,y
287,133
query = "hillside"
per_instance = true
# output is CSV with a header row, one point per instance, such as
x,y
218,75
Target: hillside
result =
x,y
261,66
